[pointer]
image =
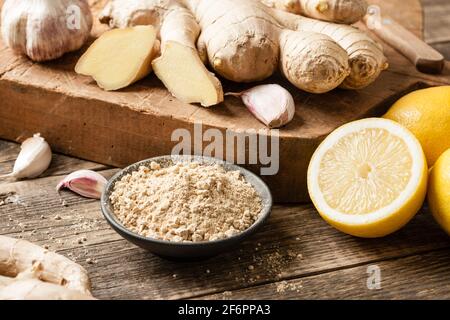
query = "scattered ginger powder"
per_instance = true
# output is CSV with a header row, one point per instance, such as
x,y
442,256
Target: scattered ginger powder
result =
x,y
185,202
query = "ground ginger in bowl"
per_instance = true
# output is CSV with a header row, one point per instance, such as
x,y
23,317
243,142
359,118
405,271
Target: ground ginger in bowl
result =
x,y
186,201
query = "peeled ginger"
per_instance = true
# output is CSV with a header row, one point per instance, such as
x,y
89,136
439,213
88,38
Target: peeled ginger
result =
x,y
120,57
191,82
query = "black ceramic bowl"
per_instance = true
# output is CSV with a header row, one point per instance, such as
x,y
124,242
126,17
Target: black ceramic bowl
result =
x,y
186,250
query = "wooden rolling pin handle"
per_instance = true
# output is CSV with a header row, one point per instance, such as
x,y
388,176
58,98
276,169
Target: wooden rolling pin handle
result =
x,y
425,58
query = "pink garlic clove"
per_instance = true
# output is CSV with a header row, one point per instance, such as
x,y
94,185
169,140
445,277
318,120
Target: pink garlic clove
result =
x,y
270,103
86,183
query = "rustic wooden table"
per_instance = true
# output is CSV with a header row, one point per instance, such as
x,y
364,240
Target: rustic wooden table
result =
x,y
437,24
295,256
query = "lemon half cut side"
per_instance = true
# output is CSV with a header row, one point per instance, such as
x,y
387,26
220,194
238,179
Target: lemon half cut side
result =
x,y
368,178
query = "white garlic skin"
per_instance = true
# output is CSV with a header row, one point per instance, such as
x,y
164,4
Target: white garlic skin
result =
x,y
34,158
271,104
42,29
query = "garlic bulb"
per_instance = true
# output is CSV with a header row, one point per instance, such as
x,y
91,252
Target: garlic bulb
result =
x,y
33,159
45,29
86,183
269,103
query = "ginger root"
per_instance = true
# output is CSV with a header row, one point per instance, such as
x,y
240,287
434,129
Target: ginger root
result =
x,y
120,57
366,58
247,41
28,271
240,40
319,69
339,11
125,13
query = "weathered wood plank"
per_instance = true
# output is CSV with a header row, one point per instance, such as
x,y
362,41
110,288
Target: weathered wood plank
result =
x,y
408,13
400,65
436,21
437,25
424,276
297,250
294,243
443,48
60,165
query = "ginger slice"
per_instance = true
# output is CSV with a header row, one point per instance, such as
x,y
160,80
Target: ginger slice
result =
x,y
120,57
185,76
180,67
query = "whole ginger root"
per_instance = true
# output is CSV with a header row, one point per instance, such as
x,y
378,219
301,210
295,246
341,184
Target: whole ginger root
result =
x,y
339,11
28,271
249,40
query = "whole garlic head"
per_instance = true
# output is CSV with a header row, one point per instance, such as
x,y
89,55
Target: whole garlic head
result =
x,y
45,29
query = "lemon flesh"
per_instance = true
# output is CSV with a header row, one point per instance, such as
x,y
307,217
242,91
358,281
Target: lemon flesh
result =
x,y
368,178
439,191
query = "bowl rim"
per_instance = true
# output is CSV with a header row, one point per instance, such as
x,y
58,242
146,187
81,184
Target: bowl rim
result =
x,y
267,201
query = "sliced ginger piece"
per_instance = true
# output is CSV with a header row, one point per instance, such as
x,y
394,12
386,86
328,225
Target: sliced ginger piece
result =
x,y
180,67
120,57
186,77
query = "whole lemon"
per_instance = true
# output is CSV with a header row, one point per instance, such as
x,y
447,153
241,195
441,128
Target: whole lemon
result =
x,y
439,191
426,113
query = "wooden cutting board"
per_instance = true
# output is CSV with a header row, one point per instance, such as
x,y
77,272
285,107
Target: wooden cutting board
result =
x,y
119,128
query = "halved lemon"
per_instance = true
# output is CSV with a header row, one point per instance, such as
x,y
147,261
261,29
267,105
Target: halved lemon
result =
x,y
368,178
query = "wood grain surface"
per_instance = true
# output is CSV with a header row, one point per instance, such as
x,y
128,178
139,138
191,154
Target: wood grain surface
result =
x,y
118,128
422,55
296,254
437,25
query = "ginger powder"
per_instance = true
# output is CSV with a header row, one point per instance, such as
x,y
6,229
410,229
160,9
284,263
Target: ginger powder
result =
x,y
185,202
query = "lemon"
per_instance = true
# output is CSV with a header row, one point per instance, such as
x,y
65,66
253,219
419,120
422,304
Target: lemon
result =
x,y
368,178
439,191
426,113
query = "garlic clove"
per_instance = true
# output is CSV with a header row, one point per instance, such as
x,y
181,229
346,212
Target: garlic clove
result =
x,y
45,30
86,183
270,103
33,159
